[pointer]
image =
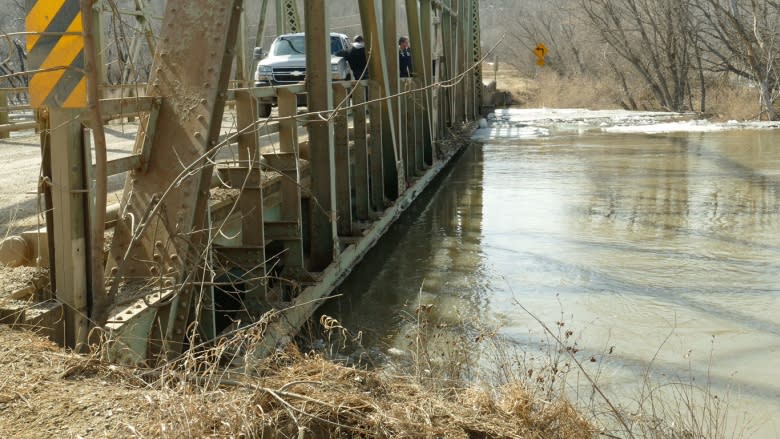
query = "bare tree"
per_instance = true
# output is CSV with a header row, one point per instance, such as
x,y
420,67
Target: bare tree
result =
x,y
654,37
743,38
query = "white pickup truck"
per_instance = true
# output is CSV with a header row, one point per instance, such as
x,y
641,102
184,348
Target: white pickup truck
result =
x,y
286,64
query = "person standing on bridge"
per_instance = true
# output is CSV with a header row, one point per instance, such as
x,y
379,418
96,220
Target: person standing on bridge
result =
x,y
356,58
404,57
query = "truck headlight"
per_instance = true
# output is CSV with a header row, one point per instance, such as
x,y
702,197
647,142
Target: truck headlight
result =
x,y
336,71
263,72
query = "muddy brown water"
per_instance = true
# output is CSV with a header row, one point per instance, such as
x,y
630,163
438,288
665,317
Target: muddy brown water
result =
x,y
663,249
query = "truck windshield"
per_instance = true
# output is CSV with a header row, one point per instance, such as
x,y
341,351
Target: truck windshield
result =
x,y
296,45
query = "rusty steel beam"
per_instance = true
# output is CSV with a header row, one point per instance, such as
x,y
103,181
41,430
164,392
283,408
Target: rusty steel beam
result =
x,y
323,233
161,234
476,57
4,134
381,72
360,152
287,19
342,163
69,220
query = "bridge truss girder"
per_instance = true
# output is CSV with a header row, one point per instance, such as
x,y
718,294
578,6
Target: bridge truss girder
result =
x,y
328,206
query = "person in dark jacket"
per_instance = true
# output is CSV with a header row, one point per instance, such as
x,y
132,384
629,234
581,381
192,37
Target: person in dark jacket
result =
x,y
356,57
404,57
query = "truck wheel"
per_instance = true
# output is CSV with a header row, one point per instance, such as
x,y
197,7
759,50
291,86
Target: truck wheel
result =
x,y
264,110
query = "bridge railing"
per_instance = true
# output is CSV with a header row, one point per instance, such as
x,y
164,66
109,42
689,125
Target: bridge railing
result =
x,y
303,198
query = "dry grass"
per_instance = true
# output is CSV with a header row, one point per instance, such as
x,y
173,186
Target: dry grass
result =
x,y
46,392
725,100
729,102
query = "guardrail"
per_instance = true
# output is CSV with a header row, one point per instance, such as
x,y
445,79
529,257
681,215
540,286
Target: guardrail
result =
x,y
6,125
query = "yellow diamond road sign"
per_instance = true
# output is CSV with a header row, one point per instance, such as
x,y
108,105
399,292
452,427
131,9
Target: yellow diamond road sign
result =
x,y
57,47
540,51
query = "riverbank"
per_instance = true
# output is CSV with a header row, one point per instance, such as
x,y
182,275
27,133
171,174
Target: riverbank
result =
x,y
546,89
46,391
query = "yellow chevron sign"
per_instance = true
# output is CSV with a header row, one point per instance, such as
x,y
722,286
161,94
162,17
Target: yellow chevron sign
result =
x,y
57,48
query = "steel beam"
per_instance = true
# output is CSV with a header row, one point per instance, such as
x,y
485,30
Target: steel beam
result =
x,y
287,20
342,163
380,70
4,113
376,168
323,186
287,164
448,66
70,159
360,152
392,141
422,62
476,47
162,227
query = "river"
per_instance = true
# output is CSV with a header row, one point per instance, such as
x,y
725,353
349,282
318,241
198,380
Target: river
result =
x,y
655,242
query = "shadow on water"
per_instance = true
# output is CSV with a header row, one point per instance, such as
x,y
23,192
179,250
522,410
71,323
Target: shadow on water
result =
x,y
374,297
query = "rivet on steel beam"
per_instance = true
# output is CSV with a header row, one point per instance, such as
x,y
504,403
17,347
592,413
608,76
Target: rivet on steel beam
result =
x,y
204,101
196,134
158,244
201,117
174,257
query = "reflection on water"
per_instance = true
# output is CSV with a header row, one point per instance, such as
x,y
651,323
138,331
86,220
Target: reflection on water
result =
x,y
630,237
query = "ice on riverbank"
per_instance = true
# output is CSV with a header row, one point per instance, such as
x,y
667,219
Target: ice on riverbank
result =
x,y
525,123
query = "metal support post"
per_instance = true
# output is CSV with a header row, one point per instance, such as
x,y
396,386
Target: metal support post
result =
x,y
477,57
360,152
392,142
422,64
342,163
411,126
430,109
376,169
288,229
448,67
4,113
260,33
420,129
379,70
458,97
287,20
318,86
69,191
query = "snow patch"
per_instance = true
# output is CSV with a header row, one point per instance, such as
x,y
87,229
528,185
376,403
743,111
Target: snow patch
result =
x,y
528,123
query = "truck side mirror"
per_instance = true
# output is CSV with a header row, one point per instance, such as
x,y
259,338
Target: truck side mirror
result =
x,y
259,53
